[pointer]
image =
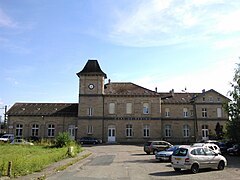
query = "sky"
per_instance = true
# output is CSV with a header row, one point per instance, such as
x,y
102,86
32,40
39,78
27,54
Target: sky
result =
x,y
168,44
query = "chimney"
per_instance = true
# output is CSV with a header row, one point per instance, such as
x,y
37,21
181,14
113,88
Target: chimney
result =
x,y
172,92
109,81
155,89
203,91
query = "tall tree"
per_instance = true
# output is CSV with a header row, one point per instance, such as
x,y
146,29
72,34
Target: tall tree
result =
x,y
233,108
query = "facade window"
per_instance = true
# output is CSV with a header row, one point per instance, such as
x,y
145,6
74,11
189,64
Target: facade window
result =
x,y
35,130
90,111
204,112
129,108
186,131
89,129
203,99
219,112
51,130
71,130
129,130
210,99
146,130
145,108
167,112
19,130
205,131
167,130
185,112
111,108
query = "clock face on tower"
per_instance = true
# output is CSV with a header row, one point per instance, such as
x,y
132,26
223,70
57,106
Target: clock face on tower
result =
x,y
91,86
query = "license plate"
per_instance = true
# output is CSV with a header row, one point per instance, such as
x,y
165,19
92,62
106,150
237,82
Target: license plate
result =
x,y
178,159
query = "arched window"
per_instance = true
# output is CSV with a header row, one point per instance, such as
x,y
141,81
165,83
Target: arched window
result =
x,y
19,130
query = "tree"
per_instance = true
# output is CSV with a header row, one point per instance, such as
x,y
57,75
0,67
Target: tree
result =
x,y
233,108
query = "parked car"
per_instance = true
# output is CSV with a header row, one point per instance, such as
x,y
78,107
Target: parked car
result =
x,y
223,147
166,155
21,142
89,140
7,138
156,146
211,146
195,158
235,150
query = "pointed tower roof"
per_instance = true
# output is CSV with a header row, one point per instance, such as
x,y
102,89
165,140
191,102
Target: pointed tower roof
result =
x,y
92,68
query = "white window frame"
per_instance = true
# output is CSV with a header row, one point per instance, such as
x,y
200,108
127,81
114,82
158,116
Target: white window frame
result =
x,y
145,108
128,108
146,130
112,108
204,112
35,130
129,130
219,112
90,111
167,112
90,129
185,112
19,130
186,131
205,131
51,130
167,131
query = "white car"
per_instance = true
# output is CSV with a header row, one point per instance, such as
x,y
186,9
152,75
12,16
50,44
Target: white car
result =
x,y
7,138
21,142
211,146
195,158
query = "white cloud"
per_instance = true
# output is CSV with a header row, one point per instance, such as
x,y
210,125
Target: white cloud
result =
x,y
215,76
155,22
5,20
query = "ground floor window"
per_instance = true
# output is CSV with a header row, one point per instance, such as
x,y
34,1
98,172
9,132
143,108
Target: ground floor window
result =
x,y
167,130
51,130
205,131
146,130
35,130
129,130
89,129
186,131
19,130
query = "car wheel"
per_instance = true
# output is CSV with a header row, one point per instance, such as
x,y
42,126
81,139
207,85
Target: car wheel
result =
x,y
155,151
195,168
170,158
221,165
177,169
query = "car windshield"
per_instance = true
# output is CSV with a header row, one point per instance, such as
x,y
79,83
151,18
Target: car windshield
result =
x,y
180,152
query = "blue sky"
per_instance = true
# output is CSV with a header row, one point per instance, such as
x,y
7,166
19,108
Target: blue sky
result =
x,y
168,44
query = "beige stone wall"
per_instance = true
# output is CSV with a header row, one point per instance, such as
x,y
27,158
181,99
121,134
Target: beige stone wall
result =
x,y
61,124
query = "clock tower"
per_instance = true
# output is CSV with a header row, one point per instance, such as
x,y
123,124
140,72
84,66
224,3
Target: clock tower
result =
x,y
91,99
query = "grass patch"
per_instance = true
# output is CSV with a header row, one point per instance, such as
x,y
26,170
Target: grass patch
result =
x,y
29,159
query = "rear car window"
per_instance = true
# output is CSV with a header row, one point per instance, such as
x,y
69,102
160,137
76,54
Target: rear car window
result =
x,y
180,152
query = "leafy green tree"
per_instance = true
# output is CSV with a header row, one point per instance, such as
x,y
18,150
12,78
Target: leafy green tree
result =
x,y
233,108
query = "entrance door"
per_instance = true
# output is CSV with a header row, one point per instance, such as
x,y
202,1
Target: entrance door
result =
x,y
111,134
71,131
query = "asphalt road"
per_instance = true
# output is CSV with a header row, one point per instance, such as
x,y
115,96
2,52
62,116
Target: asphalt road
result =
x,y
129,162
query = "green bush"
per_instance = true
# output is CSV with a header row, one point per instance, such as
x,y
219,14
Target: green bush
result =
x,y
63,140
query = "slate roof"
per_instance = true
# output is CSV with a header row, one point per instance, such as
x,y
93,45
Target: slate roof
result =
x,y
92,68
127,88
178,97
44,109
